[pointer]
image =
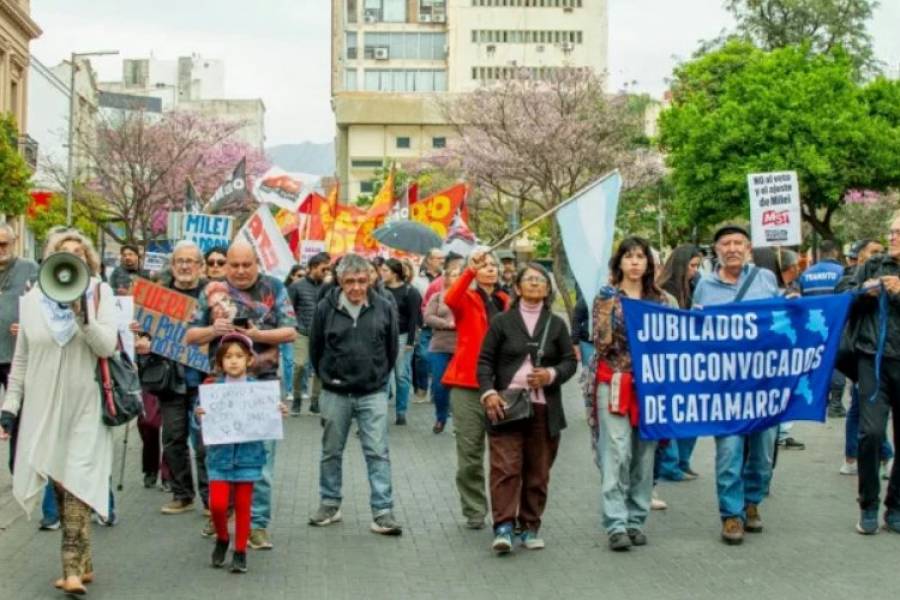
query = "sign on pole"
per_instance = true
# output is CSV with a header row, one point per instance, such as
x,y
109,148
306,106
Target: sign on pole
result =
x,y
274,254
165,315
775,209
241,412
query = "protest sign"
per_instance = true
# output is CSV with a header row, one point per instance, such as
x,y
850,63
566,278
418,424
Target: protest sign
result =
x,y
124,317
734,368
241,412
282,189
309,248
165,315
775,209
274,254
155,262
207,231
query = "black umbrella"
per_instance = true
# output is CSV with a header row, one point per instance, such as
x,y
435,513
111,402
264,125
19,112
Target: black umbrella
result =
x,y
409,236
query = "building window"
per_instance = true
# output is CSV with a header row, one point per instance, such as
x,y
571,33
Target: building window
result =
x,y
384,11
439,142
351,45
351,11
367,187
405,80
409,46
351,83
403,143
366,164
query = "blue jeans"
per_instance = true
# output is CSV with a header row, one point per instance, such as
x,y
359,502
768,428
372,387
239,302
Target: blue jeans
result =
x,y
370,411
286,357
685,451
667,464
440,395
851,431
50,510
740,483
423,366
261,506
401,379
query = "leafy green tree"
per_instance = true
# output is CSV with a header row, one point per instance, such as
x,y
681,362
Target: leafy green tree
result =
x,y
16,176
741,110
824,24
42,219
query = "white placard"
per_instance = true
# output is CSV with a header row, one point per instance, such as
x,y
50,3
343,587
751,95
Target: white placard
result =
x,y
275,256
775,209
155,261
207,231
309,248
241,412
124,317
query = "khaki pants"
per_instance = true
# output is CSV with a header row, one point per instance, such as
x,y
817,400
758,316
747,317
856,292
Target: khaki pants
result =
x,y
301,361
468,419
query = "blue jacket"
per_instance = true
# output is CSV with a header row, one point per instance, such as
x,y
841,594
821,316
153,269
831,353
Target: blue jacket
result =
x,y
235,462
821,278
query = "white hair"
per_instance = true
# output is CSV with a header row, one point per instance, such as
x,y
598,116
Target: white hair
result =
x,y
190,245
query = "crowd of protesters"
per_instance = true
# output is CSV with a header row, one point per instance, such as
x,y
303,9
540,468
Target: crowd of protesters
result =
x,y
357,339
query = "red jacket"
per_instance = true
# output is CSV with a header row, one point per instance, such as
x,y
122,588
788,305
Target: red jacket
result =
x,y
471,327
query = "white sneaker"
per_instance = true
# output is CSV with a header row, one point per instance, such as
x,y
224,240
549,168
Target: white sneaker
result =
x,y
656,503
849,468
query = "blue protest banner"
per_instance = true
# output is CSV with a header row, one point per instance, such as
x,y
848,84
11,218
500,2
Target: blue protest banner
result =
x,y
733,368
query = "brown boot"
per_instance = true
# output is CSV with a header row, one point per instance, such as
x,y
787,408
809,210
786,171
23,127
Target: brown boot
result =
x,y
732,531
754,522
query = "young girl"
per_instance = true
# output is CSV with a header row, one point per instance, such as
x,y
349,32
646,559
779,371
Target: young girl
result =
x,y
233,467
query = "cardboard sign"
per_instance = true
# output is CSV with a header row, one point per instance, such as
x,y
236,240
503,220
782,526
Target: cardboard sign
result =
x,y
124,317
165,314
775,209
241,412
274,254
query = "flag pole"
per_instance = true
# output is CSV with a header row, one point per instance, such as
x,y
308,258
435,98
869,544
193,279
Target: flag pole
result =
x,y
552,211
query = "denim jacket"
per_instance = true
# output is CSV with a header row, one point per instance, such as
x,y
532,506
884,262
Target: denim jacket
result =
x,y
235,462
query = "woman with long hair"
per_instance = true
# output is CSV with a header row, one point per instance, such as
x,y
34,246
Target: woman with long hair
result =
x,y
61,436
626,461
678,278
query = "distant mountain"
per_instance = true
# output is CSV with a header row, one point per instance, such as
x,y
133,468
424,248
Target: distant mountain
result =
x,y
315,159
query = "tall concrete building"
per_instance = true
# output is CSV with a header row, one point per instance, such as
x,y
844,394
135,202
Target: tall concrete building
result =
x,y
393,60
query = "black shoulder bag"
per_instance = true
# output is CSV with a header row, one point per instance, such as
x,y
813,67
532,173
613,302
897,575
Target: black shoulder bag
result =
x,y
120,385
518,401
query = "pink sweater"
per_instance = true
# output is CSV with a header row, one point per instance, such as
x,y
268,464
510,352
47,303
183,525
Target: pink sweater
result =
x,y
530,314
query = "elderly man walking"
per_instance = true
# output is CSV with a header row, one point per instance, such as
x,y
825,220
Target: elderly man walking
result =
x,y
353,347
742,477
256,305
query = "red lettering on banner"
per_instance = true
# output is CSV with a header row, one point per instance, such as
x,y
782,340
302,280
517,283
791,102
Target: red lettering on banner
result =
x,y
158,299
776,217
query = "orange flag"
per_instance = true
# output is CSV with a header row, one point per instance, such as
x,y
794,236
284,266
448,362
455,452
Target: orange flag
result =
x,y
375,217
437,210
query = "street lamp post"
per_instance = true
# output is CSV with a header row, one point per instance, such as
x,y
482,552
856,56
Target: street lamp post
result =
x,y
71,158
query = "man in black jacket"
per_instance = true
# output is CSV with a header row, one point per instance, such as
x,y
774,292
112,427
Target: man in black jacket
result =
x,y
879,385
304,296
353,347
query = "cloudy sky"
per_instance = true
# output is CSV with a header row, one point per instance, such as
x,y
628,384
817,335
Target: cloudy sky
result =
x,y
279,50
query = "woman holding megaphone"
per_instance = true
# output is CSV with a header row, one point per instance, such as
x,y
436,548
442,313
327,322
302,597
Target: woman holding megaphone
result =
x,y
63,330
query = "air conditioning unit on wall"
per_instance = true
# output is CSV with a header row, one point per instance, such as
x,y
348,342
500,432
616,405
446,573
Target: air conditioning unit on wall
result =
x,y
424,18
440,18
382,53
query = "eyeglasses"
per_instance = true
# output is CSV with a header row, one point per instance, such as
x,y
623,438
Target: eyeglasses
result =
x,y
894,233
216,263
534,279
184,262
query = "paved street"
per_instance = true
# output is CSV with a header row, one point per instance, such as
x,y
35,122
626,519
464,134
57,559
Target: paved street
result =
x,y
809,549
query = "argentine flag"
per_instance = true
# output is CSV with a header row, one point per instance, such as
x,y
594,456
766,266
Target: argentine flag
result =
x,y
587,225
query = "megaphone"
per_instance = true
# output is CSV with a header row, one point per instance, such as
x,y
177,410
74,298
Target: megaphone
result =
x,y
64,277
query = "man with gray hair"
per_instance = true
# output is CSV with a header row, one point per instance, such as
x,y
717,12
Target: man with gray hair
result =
x,y
353,347
17,275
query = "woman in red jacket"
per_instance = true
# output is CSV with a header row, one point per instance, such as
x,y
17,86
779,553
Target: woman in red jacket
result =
x,y
472,307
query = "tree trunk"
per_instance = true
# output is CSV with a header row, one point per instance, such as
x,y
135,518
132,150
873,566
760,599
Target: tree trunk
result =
x,y
821,226
560,268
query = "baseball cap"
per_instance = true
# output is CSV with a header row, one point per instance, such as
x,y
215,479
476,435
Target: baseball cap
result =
x,y
728,229
240,338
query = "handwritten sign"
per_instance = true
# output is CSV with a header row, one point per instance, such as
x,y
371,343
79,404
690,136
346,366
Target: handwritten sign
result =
x,y
165,314
775,209
262,232
240,412
207,231
124,317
